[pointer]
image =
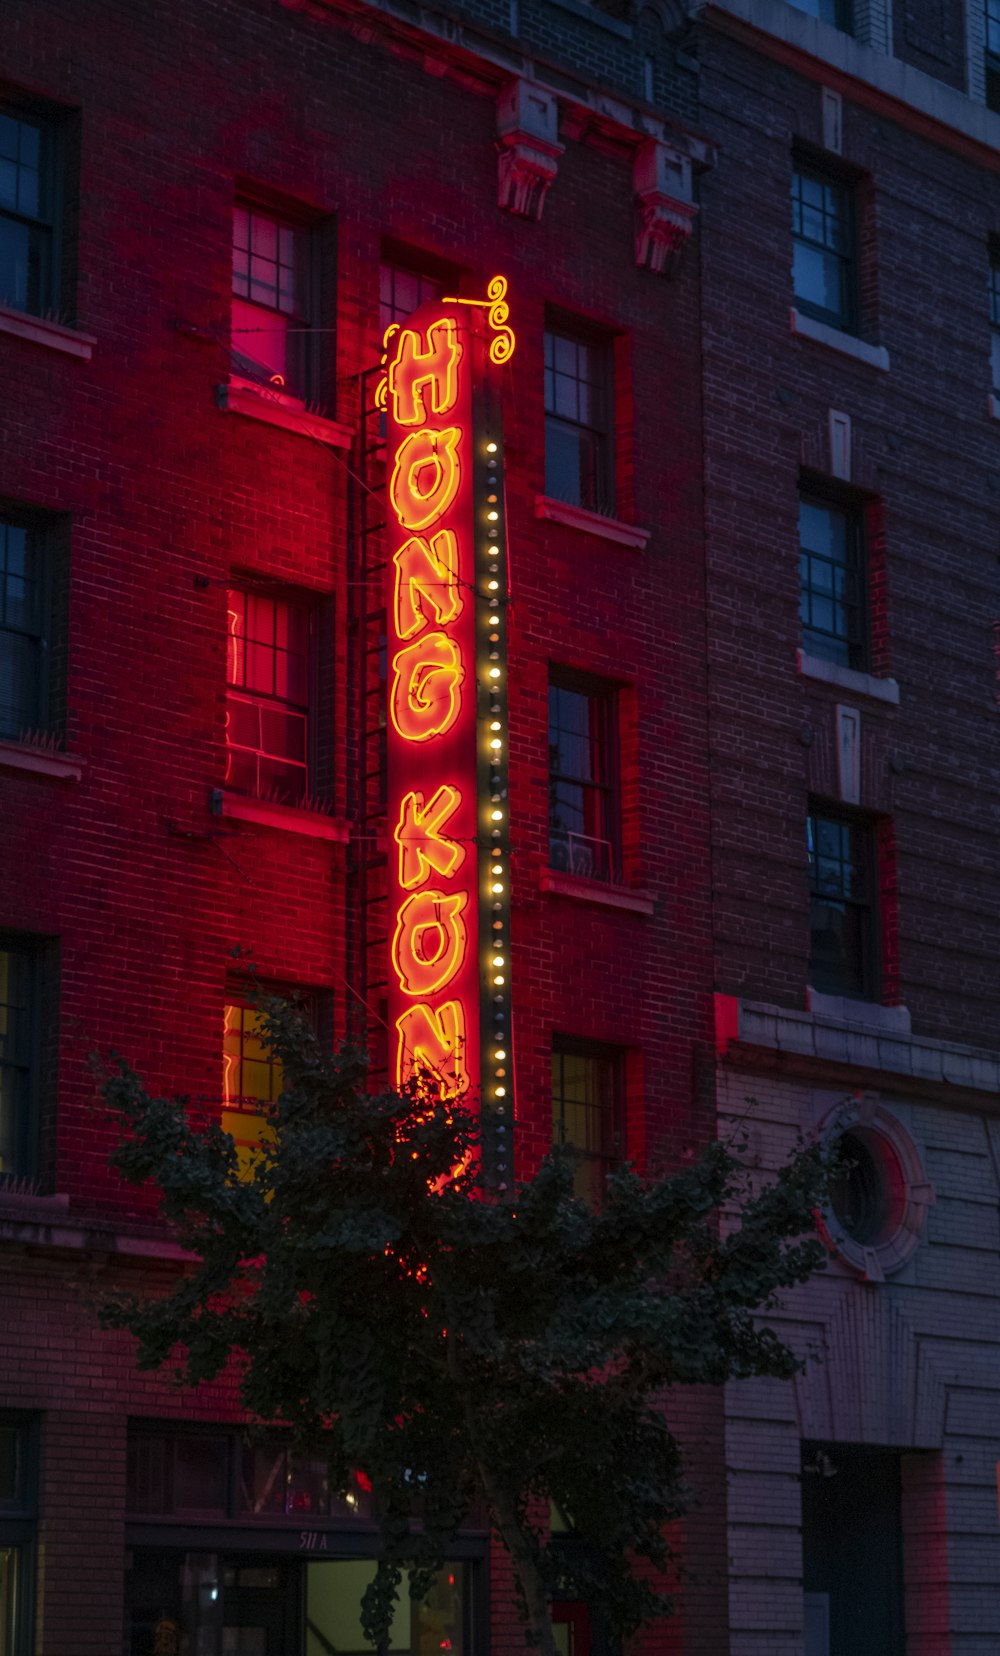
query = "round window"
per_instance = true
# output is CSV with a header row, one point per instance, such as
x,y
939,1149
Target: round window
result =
x,y
880,1194
868,1195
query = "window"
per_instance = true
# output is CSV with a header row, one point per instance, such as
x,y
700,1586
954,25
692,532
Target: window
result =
x,y
273,301
251,1081
23,617
992,33
17,1532
995,314
184,1473
586,1110
579,451
403,291
832,583
267,702
583,782
19,994
837,12
843,909
29,267
824,266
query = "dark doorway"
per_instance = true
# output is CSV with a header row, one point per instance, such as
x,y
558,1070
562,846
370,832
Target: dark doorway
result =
x,y
852,1551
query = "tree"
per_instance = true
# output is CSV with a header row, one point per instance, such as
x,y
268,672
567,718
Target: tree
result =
x,y
456,1347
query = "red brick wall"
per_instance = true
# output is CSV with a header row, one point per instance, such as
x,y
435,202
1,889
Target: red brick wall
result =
x,y
146,892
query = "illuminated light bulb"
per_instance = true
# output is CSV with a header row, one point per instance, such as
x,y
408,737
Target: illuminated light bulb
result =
x,y
491,517
496,816
492,585
496,725
491,448
498,979
494,638
496,742
491,500
498,960
494,672
501,1092
500,1055
497,869
493,621
497,889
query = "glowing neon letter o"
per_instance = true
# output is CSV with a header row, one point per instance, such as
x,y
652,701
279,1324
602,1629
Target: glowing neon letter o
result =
x,y
430,941
416,501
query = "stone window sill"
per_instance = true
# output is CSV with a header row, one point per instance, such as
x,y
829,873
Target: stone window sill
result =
x,y
876,356
42,332
288,818
595,891
891,1020
243,397
15,756
591,523
848,678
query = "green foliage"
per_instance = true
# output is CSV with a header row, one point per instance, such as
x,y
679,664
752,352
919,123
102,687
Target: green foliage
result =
x,y
459,1350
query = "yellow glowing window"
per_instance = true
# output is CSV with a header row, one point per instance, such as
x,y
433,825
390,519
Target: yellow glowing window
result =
x,y
251,1081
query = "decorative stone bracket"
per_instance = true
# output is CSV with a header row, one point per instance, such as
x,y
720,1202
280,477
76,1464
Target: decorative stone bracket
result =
x,y
664,204
528,147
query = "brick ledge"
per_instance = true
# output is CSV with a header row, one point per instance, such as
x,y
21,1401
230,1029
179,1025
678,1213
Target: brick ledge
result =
x,y
238,398
312,824
18,756
595,891
591,523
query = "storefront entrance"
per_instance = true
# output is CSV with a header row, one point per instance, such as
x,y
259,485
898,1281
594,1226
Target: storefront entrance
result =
x,y
231,1604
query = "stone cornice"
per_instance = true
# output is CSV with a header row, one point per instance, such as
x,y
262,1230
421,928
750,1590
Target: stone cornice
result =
x,y
484,60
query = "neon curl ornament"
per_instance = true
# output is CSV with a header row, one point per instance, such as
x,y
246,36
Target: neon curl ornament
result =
x,y
423,848
430,941
427,678
502,347
422,452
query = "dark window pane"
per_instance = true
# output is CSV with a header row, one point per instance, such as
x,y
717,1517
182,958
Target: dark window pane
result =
x,y
146,1477
10,1482
577,426
582,806
267,728
823,267
831,577
842,907
200,1469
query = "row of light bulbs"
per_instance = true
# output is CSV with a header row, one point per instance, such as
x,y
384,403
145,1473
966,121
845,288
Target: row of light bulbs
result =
x,y
495,744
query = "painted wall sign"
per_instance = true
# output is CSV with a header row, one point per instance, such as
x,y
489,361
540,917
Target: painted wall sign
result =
x,y
449,976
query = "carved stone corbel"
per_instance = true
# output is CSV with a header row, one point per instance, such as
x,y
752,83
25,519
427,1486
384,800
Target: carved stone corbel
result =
x,y
664,206
528,147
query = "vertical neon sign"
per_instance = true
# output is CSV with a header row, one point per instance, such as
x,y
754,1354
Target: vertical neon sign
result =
x,y
449,977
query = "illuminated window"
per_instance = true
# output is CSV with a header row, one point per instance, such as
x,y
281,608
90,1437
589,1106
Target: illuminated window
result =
x,y
267,702
23,626
832,582
843,907
29,265
251,1080
272,302
17,1532
583,786
579,450
824,262
586,1110
19,1079
402,291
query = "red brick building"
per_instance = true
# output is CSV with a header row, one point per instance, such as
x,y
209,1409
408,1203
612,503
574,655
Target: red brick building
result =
x,y
749,639
206,226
